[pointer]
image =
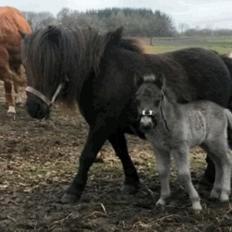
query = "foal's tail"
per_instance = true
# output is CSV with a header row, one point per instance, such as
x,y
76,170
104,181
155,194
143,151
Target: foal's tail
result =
x,y
229,131
229,118
228,62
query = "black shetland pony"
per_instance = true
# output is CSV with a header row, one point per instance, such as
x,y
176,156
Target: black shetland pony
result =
x,y
98,72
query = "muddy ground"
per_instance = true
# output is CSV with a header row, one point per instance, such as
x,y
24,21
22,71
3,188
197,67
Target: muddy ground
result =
x,y
39,159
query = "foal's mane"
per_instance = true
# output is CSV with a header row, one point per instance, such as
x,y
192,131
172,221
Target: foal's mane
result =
x,y
57,54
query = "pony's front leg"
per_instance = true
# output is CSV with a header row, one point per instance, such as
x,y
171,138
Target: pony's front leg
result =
x,y
163,166
182,163
131,184
95,140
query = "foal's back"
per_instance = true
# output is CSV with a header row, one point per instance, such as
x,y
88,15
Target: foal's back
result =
x,y
203,121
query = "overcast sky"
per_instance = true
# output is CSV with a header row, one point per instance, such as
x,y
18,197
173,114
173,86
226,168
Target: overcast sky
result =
x,y
201,13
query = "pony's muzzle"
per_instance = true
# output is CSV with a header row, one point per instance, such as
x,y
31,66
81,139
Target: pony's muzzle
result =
x,y
36,108
146,123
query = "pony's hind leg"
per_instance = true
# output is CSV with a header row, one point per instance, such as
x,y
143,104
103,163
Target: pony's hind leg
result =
x,y
118,142
163,166
182,163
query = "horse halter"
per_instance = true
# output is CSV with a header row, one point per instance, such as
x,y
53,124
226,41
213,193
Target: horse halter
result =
x,y
148,113
42,97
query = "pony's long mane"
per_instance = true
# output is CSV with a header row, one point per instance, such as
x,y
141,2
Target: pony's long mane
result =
x,y
59,54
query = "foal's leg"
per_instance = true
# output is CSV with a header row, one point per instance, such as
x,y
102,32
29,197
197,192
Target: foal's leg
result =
x,y
96,138
182,163
222,154
226,175
215,192
163,166
118,141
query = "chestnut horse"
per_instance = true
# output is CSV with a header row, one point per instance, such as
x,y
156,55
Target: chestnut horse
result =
x,y
13,24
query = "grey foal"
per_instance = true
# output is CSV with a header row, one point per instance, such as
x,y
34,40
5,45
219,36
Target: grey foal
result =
x,y
174,128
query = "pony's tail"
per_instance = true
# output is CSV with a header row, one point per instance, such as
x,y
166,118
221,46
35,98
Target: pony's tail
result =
x,y
228,62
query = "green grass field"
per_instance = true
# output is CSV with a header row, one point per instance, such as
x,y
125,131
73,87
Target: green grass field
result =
x,y
222,44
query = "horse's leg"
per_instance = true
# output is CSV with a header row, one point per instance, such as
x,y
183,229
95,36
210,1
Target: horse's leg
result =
x,y
182,163
19,84
96,138
18,97
9,97
163,166
118,142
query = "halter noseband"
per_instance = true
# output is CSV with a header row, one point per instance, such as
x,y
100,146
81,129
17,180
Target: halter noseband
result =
x,y
148,113
42,97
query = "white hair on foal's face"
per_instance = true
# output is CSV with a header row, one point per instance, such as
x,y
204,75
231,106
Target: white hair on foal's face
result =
x,y
150,77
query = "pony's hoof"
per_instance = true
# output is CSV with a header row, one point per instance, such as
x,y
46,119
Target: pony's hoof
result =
x,y
69,198
130,189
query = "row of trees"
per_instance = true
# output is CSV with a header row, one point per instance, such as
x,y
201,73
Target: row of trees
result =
x,y
136,22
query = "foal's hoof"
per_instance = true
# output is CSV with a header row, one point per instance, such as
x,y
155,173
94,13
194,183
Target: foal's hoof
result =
x,y
197,207
130,189
224,197
69,198
214,194
160,203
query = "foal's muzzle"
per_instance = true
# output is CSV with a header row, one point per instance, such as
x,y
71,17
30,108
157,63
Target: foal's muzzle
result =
x,y
147,121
